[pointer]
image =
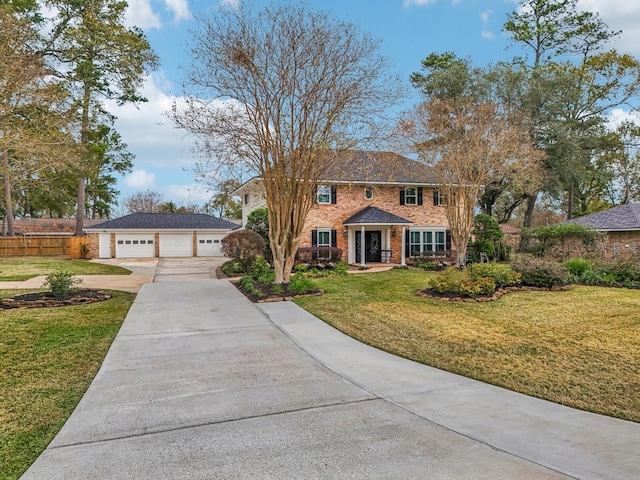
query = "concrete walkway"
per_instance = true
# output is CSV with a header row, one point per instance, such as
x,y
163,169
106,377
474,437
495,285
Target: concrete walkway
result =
x,y
201,384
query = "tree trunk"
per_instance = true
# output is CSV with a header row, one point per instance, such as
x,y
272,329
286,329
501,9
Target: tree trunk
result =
x,y
528,215
570,202
80,209
84,141
8,204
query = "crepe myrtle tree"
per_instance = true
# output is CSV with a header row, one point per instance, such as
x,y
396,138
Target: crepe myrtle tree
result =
x,y
280,92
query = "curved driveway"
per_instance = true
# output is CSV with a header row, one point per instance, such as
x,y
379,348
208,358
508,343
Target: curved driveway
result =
x,y
201,384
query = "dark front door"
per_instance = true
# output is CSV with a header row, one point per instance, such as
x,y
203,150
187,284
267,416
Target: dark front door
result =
x,y
372,246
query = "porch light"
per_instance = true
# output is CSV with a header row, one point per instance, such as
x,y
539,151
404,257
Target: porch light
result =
x,y
345,232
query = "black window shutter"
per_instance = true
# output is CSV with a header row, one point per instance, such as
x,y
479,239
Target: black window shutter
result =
x,y
402,196
419,195
334,194
334,238
435,197
314,238
407,252
448,241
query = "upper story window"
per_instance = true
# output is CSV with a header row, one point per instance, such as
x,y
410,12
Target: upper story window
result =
x,y
368,193
323,194
438,198
411,196
246,199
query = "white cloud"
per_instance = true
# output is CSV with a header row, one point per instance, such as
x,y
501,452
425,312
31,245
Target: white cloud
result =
x,y
180,9
140,14
487,35
419,3
619,15
235,4
485,16
187,194
140,179
618,116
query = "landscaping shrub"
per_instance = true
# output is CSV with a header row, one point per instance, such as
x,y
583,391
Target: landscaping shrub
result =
x,y
488,238
578,266
482,286
243,246
61,282
318,255
248,284
621,273
501,274
539,272
537,241
232,268
299,284
262,271
449,281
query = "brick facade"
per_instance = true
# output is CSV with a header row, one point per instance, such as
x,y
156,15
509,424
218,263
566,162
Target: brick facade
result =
x,y
613,245
351,199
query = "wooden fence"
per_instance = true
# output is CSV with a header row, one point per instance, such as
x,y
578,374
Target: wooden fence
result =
x,y
31,245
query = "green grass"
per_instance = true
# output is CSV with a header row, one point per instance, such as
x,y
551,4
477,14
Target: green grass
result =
x,y
23,268
48,357
580,347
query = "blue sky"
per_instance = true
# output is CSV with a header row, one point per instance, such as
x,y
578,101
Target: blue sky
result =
x,y
408,29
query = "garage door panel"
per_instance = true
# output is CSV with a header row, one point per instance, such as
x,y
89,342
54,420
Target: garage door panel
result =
x,y
176,244
209,244
131,245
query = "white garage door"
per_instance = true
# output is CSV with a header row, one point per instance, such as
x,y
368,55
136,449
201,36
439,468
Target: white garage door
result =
x,y
209,244
176,245
132,245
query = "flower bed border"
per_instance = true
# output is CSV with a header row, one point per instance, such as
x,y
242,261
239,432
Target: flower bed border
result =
x,y
431,295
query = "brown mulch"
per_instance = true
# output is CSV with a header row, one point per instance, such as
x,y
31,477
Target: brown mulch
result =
x,y
46,299
445,297
264,292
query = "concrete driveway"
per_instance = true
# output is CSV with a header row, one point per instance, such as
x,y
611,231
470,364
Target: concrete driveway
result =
x,y
201,384
187,269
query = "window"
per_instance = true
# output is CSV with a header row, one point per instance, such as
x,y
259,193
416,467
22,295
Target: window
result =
x,y
143,242
135,242
120,242
368,193
209,241
323,194
410,196
246,199
324,238
149,242
200,241
423,241
438,199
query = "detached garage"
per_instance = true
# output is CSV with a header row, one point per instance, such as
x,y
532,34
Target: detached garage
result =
x,y
159,235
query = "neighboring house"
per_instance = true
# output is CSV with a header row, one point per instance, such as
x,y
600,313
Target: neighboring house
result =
x,y
159,235
621,226
375,206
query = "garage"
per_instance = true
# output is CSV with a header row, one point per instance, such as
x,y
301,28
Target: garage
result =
x,y
177,234
209,244
133,245
176,244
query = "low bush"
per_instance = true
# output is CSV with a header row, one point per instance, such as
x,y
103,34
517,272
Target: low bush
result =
x,y
318,255
449,281
262,271
232,268
539,272
578,266
300,285
243,246
248,284
501,274
477,288
61,282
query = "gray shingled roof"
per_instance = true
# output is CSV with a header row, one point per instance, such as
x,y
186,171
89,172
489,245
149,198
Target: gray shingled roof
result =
x,y
361,166
623,217
373,215
166,221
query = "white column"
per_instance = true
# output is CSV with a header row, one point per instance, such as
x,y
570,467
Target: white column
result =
x,y
362,248
402,252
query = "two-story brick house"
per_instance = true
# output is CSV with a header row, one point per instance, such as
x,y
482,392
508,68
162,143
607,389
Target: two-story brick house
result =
x,y
390,201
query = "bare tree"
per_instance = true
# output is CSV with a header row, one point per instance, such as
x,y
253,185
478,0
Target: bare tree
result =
x,y
282,86
147,201
469,145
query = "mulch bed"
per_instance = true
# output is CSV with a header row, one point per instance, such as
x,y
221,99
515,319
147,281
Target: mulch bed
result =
x,y
46,299
435,295
267,294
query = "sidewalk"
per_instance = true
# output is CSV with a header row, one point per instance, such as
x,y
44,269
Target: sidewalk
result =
x,y
200,383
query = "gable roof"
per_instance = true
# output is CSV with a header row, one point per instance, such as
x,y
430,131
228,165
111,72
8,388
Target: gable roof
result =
x,y
363,166
621,218
373,215
368,167
166,221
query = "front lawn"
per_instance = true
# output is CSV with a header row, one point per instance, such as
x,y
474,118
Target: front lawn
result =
x,y
48,357
579,347
23,268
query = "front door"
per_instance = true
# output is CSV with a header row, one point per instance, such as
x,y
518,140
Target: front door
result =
x,y
372,246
